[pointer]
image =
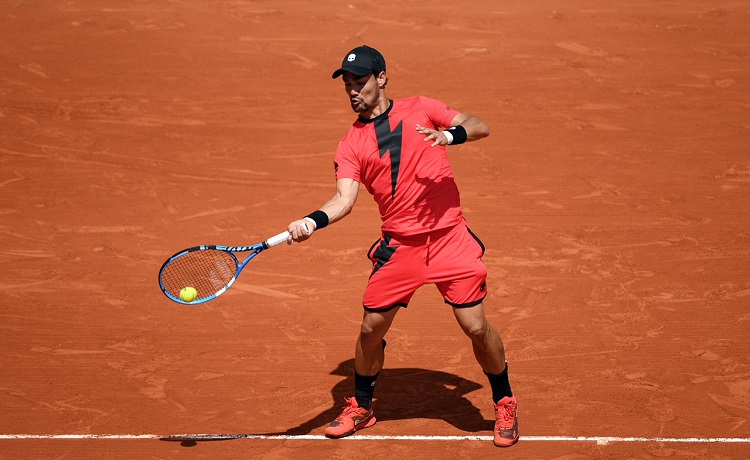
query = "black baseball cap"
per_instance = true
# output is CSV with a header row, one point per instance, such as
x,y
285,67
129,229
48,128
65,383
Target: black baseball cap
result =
x,y
362,61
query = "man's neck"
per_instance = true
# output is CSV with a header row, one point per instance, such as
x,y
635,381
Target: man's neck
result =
x,y
378,110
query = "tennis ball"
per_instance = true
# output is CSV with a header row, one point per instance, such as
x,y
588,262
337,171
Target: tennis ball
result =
x,y
188,294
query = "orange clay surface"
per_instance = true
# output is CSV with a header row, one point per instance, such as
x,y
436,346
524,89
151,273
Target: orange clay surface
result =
x,y
613,196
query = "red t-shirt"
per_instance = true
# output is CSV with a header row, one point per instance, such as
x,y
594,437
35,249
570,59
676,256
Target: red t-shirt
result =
x,y
411,181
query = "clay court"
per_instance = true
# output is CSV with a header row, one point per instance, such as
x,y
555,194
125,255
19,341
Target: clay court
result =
x,y
613,197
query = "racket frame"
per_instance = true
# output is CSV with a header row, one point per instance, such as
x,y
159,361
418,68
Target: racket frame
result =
x,y
254,250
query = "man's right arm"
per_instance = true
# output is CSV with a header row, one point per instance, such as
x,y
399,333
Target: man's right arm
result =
x,y
334,210
343,201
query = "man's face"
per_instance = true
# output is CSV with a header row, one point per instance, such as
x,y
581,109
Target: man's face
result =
x,y
363,91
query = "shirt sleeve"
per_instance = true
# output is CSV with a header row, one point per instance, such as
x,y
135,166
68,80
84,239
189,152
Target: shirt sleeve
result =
x,y
441,114
345,162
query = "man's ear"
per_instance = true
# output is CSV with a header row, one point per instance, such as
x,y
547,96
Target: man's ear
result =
x,y
382,79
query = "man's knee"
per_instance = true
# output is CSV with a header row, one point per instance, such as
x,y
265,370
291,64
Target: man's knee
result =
x,y
370,326
375,325
477,328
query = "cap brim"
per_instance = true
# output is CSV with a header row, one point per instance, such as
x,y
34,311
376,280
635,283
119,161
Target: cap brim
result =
x,y
356,70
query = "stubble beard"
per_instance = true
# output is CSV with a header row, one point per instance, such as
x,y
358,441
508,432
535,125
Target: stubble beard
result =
x,y
361,107
364,106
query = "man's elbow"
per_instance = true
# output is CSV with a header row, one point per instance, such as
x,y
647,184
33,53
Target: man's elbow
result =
x,y
482,131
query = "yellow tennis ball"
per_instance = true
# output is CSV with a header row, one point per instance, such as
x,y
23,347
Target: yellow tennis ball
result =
x,y
188,294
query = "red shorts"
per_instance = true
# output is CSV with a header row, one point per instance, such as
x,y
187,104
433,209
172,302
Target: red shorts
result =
x,y
450,258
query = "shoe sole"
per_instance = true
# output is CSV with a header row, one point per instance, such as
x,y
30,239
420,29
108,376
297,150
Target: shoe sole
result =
x,y
506,445
361,426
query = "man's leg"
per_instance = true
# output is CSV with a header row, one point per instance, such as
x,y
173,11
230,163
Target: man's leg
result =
x,y
369,356
490,354
488,346
369,353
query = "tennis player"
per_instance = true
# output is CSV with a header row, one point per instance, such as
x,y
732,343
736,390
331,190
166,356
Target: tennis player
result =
x,y
397,149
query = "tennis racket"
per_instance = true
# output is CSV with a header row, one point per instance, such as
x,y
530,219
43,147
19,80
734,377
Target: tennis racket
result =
x,y
208,269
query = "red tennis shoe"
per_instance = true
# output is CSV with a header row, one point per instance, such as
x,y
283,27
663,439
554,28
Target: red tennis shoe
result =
x,y
506,422
352,419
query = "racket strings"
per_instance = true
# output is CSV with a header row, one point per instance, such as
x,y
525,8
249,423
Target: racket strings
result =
x,y
208,271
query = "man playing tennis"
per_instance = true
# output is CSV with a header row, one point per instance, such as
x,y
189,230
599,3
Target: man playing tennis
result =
x,y
397,149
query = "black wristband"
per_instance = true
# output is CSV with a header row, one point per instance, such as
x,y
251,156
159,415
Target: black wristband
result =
x,y
320,218
459,135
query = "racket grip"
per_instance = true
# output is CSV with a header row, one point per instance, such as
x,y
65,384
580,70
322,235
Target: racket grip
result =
x,y
278,239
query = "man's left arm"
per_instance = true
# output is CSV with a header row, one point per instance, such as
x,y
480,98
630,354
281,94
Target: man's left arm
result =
x,y
475,128
464,128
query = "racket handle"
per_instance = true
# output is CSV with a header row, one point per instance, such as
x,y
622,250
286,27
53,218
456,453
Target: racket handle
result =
x,y
278,239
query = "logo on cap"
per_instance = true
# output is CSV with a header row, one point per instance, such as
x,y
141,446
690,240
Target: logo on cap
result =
x,y
361,61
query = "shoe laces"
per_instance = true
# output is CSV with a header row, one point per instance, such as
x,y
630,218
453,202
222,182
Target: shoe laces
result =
x,y
506,414
352,408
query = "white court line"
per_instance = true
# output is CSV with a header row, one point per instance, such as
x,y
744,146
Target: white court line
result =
x,y
601,440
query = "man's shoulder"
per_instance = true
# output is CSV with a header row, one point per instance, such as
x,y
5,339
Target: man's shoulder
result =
x,y
357,133
410,101
424,103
